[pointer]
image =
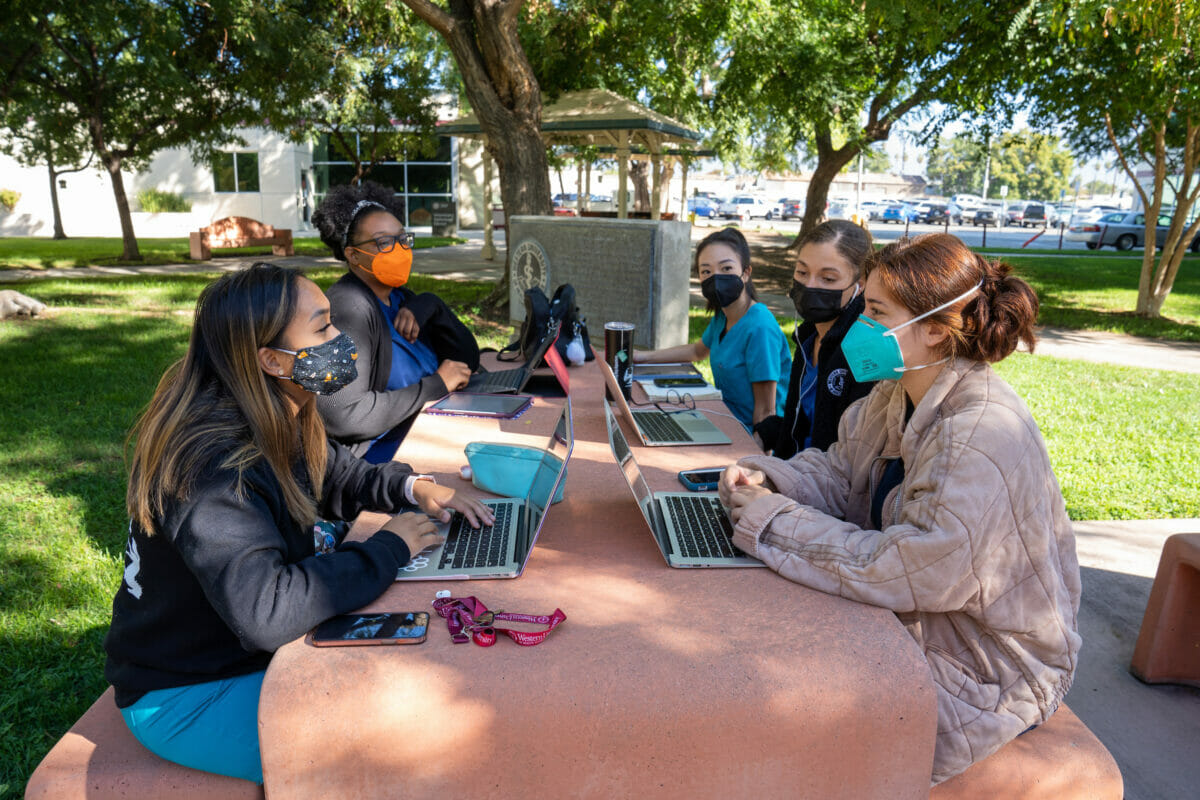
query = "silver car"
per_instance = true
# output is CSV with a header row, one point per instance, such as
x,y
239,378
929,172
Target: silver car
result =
x,y
1123,231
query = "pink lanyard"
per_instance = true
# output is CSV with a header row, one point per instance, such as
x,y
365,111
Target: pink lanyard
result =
x,y
468,618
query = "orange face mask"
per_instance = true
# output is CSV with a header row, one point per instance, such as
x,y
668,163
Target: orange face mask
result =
x,y
394,267
391,268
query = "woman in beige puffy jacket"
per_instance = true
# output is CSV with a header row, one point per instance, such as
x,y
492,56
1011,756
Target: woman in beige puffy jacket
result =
x,y
938,500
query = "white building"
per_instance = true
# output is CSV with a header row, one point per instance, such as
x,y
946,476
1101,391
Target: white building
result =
x,y
270,179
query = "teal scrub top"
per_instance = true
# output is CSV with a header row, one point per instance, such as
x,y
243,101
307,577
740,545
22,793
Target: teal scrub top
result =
x,y
753,350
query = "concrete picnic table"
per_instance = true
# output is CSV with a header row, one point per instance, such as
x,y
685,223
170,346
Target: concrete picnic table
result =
x,y
662,682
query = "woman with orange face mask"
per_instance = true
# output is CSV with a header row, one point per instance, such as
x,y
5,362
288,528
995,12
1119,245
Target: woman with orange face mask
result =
x,y
412,348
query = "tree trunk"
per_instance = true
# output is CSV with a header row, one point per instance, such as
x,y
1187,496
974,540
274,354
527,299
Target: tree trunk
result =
x,y
129,245
639,171
59,233
828,167
504,93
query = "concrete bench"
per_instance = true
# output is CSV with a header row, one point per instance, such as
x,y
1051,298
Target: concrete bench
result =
x,y
238,232
1168,645
1058,760
100,759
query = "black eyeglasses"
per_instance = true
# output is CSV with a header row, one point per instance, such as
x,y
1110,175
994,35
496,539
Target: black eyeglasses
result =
x,y
675,401
388,243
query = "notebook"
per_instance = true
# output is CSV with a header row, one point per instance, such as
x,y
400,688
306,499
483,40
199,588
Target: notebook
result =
x,y
691,529
657,428
502,549
507,381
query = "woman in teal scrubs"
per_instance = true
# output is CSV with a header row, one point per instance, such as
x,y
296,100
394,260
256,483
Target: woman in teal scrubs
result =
x,y
749,355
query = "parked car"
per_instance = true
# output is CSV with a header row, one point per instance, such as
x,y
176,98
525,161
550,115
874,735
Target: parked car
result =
x,y
703,207
791,208
1091,214
1036,214
937,213
1123,230
986,215
1015,215
899,212
744,207
564,200
841,209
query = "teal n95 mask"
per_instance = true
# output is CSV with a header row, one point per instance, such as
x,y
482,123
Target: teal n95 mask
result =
x,y
872,351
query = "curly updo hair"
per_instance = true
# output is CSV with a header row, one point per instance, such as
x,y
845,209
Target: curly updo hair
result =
x,y
926,271
339,213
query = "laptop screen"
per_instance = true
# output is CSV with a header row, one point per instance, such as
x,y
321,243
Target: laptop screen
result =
x,y
629,467
550,471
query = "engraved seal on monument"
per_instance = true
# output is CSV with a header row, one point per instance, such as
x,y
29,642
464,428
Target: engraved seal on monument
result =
x,y
529,264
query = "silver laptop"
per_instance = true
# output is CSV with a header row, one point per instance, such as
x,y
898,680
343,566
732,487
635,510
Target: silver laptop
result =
x,y
500,550
691,529
513,380
658,428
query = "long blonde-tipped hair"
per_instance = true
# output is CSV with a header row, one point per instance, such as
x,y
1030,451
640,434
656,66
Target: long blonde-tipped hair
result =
x,y
215,408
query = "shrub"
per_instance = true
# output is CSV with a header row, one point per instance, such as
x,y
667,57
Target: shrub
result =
x,y
156,201
9,198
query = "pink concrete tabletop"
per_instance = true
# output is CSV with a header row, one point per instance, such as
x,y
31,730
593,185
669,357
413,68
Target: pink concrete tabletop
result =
x,y
661,682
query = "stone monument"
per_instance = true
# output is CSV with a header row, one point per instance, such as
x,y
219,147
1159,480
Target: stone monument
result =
x,y
630,270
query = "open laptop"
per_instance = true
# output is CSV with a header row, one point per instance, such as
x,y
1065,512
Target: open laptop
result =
x,y
691,529
500,550
511,381
664,428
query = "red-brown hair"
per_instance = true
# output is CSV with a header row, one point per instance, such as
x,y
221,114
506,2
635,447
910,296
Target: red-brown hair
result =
x,y
926,271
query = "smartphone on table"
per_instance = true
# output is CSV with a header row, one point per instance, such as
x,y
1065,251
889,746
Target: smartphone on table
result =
x,y
345,630
701,480
680,383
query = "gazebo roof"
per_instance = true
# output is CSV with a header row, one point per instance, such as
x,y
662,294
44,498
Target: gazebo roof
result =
x,y
595,117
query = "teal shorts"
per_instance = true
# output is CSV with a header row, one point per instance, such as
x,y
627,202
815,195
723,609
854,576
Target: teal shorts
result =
x,y
207,726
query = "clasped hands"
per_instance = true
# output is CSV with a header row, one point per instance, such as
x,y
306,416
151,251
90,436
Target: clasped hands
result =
x,y
741,486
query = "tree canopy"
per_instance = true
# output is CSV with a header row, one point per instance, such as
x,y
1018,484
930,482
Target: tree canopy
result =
x,y
1124,74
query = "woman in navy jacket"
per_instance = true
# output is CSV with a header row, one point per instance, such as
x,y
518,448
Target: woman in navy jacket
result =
x,y
827,292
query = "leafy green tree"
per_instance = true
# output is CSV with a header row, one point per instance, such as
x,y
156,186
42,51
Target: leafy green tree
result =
x,y
378,94
1034,166
39,132
1122,74
143,75
875,159
958,162
838,76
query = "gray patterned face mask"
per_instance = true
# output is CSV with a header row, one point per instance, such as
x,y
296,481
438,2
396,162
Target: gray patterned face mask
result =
x,y
326,368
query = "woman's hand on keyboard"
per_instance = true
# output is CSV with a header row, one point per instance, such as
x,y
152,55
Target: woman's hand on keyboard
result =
x,y
417,531
439,501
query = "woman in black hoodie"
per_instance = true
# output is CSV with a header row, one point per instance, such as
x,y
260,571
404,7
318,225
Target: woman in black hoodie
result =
x,y
827,292
230,470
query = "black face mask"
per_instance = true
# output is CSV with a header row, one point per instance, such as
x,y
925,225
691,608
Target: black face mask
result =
x,y
816,305
722,290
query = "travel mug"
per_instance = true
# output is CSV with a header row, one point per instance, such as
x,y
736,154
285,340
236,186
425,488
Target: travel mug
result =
x,y
618,353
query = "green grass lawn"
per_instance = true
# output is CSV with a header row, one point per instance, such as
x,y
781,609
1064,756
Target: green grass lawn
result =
x,y
34,252
1122,442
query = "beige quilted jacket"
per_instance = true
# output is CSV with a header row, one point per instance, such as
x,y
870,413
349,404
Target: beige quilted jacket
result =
x,y
976,556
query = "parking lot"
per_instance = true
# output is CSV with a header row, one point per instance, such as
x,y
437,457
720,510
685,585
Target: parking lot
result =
x,y
1007,238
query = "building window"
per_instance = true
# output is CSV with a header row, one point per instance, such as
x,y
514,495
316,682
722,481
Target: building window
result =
x,y
235,172
419,182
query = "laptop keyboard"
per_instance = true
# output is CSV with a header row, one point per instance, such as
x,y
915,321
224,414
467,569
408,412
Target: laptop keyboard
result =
x,y
702,527
658,426
492,382
468,547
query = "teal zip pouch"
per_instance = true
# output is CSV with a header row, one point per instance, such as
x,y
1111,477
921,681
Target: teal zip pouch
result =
x,y
510,470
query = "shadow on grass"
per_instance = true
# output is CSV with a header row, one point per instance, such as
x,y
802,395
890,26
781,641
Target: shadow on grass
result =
x,y
51,678
71,389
